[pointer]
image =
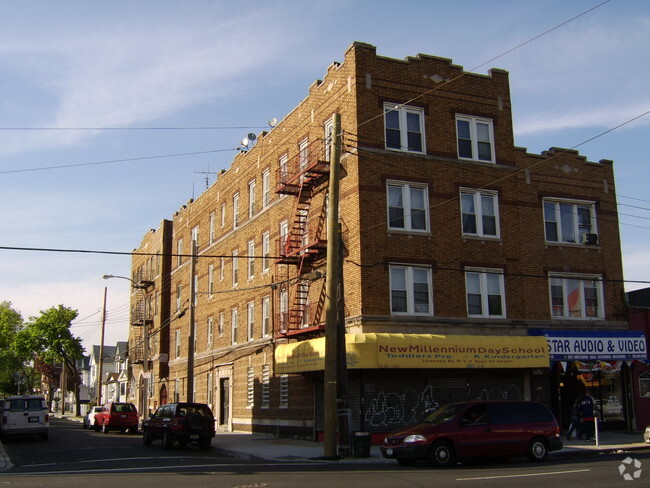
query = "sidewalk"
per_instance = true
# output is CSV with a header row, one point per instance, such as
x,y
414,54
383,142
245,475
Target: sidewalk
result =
x,y
259,446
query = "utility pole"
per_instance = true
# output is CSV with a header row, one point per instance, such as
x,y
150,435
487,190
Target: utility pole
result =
x,y
332,295
101,352
190,340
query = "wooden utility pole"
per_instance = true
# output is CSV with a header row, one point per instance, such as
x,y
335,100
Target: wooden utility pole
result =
x,y
332,295
100,372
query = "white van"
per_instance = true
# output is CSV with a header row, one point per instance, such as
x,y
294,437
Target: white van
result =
x,y
24,415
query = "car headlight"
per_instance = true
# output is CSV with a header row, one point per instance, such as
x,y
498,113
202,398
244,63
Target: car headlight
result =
x,y
414,438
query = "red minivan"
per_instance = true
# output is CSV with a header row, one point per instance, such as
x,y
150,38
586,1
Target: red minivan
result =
x,y
117,416
458,431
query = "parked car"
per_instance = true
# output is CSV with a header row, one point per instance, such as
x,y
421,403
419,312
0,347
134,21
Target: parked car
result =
x,y
117,416
25,415
89,418
459,431
180,422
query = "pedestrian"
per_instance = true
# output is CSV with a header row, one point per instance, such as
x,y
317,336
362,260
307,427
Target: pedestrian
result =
x,y
575,421
587,415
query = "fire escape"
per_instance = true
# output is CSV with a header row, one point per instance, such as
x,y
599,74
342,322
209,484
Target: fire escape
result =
x,y
141,313
302,245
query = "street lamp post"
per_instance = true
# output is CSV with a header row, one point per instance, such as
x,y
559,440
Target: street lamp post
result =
x,y
145,348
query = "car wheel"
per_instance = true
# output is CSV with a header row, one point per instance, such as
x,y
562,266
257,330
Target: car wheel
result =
x,y
133,430
84,425
96,427
147,438
204,443
537,450
406,461
442,454
167,440
104,428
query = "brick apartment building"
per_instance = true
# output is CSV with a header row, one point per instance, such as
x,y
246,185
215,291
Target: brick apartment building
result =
x,y
471,268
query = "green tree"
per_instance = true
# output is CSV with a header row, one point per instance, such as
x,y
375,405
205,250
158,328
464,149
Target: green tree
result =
x,y
49,338
11,367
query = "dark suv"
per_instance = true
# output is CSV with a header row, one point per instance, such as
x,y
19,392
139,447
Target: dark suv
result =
x,y
459,431
182,422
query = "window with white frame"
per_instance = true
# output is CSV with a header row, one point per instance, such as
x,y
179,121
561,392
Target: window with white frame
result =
x,y
251,199
404,128
329,135
251,260
410,290
211,281
570,221
266,252
234,323
576,296
284,391
284,170
485,293
235,211
284,309
250,312
195,297
223,215
266,386
408,206
266,188
266,316
222,268
177,390
213,223
284,233
235,268
177,338
475,138
221,323
303,153
250,386
179,252
479,212
210,332
195,238
179,297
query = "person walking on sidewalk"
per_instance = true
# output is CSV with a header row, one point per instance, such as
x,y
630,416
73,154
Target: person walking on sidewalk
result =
x,y
587,416
575,421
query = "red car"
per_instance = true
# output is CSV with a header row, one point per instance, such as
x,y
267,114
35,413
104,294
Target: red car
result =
x,y
459,431
117,416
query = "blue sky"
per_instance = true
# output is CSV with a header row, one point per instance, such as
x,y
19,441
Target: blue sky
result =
x,y
131,66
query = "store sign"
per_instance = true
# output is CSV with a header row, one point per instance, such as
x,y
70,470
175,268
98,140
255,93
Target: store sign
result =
x,y
567,345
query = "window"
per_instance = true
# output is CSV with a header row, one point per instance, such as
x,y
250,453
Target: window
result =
x,y
234,322
475,138
235,211
235,268
485,296
195,296
284,232
410,290
251,260
211,281
195,239
179,252
480,213
223,215
179,301
284,171
194,341
250,308
213,221
266,386
266,188
178,343
266,317
210,333
251,199
250,386
266,252
329,135
221,323
570,221
222,268
408,206
404,128
644,385
210,389
576,297
284,309
284,391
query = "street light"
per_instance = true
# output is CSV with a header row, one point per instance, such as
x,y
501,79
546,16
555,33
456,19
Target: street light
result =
x,y
145,347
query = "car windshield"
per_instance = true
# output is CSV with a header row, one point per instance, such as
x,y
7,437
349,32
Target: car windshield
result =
x,y
445,413
124,407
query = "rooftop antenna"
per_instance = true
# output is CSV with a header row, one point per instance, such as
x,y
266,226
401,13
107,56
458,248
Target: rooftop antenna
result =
x,y
207,176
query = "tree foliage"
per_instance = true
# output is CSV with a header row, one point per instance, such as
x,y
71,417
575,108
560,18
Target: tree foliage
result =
x,y
11,365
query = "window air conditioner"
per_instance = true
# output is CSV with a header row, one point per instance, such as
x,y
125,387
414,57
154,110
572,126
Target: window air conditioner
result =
x,y
590,239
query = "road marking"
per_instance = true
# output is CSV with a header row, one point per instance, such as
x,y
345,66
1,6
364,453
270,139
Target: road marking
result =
x,y
552,473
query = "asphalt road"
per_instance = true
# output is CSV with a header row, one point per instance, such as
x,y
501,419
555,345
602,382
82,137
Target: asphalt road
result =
x,y
76,457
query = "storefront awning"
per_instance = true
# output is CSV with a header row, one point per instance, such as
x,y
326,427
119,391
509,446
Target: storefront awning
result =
x,y
401,351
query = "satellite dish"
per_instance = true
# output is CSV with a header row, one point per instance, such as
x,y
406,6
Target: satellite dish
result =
x,y
245,142
251,137
273,122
